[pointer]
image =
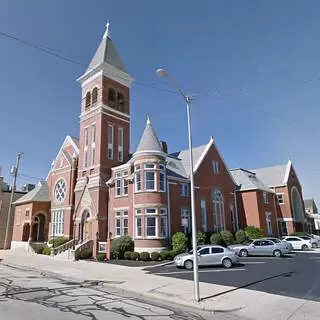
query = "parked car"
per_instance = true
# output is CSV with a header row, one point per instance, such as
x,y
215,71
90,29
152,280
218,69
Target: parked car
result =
x,y
277,240
208,255
260,247
298,243
313,241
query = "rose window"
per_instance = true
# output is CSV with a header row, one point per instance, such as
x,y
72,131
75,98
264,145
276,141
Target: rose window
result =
x,y
60,191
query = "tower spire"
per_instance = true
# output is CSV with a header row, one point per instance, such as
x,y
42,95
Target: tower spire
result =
x,y
107,32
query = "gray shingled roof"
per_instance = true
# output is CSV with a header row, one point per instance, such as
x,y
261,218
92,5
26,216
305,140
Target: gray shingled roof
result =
x,y
175,168
106,52
272,176
40,193
247,180
308,203
184,156
149,140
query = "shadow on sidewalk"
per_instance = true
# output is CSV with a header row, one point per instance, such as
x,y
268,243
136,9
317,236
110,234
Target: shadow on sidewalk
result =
x,y
285,274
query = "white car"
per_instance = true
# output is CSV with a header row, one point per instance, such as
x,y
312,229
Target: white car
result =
x,y
298,243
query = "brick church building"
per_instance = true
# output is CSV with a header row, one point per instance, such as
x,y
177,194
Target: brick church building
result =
x,y
97,190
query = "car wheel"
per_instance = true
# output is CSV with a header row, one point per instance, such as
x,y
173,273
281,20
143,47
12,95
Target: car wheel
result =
x,y
227,263
304,247
243,253
188,264
277,253
314,246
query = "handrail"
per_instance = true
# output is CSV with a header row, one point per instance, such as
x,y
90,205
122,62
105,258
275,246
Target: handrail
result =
x,y
63,247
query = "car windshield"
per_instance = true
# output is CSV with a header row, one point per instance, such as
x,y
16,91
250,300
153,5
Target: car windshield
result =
x,y
305,237
248,241
276,240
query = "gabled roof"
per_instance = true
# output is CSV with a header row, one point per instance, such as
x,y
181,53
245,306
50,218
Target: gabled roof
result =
x,y
149,141
308,203
175,168
106,52
40,193
197,153
247,180
275,176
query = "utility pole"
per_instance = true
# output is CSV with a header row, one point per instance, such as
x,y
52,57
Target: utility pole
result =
x,y
16,168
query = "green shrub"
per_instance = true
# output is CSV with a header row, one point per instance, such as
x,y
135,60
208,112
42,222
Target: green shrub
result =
x,y
134,256
201,238
101,256
58,241
120,245
155,256
299,234
253,232
241,236
227,237
216,239
179,242
46,251
171,255
144,256
128,255
84,254
165,255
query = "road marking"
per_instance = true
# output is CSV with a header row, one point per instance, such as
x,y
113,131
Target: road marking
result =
x,y
200,271
254,262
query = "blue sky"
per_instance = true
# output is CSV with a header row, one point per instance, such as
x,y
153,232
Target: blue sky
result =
x,y
253,67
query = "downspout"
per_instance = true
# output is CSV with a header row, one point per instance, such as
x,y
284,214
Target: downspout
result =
x,y
169,214
275,210
133,208
236,208
108,253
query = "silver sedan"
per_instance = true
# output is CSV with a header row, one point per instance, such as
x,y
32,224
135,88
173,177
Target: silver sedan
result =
x,y
208,255
260,247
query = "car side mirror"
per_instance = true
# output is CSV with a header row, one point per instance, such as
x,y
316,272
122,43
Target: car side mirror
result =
x,y
198,254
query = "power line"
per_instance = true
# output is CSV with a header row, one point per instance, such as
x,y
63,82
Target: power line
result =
x,y
49,51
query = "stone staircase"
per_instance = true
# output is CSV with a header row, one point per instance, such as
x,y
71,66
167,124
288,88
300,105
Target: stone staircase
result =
x,y
70,250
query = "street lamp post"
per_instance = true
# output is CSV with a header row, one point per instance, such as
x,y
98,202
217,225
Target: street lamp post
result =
x,y
187,99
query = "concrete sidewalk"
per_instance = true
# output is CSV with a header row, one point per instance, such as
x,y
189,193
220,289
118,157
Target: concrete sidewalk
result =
x,y
242,303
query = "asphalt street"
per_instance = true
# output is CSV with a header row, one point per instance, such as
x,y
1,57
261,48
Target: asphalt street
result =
x,y
296,275
29,295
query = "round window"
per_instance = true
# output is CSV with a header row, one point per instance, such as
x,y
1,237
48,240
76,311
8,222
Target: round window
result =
x,y
60,191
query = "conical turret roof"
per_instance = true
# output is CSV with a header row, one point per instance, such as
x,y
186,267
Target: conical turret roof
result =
x,y
149,141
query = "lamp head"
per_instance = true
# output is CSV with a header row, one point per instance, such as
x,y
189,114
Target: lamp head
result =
x,y
162,73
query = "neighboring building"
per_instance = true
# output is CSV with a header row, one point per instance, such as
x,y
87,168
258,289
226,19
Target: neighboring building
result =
x,y
256,199
313,215
32,216
5,195
256,202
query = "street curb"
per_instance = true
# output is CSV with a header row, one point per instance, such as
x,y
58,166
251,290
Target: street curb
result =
x,y
158,265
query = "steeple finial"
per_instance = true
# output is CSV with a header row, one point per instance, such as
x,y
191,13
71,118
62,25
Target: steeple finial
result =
x,y
107,33
148,120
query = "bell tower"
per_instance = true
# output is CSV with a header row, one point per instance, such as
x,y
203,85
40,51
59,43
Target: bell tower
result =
x,y
104,136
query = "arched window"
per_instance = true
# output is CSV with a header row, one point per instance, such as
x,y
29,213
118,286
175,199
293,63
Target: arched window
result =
x,y
94,95
120,102
111,97
218,210
88,100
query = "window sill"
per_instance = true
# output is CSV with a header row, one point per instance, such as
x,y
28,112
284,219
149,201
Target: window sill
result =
x,y
122,196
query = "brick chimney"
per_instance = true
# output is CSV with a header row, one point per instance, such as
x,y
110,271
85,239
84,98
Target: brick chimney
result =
x,y
164,146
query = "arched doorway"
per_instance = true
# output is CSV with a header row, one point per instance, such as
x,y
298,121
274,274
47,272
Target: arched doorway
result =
x,y
85,226
297,209
38,225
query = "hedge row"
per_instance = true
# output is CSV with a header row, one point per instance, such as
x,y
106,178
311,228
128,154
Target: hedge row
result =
x,y
181,242
146,256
